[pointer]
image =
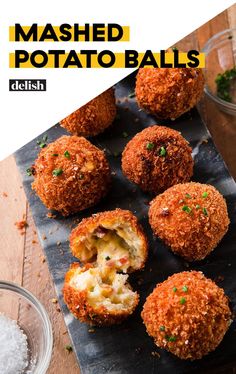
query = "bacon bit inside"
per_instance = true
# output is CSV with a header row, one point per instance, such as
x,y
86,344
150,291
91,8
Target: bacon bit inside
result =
x,y
123,260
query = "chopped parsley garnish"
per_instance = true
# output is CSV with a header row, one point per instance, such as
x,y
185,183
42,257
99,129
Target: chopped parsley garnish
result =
x,y
125,134
170,338
107,258
29,172
162,152
42,145
131,95
223,83
55,154
162,328
174,289
185,288
69,348
188,196
150,146
174,49
57,172
197,206
204,195
45,138
187,209
42,142
67,154
182,300
205,211
81,176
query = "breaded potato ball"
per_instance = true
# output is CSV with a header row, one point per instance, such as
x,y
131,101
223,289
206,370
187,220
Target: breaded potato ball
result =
x,y
94,117
169,92
187,314
71,174
98,296
190,218
157,158
113,238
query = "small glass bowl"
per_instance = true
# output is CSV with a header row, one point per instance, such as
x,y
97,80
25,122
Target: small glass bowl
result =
x,y
20,305
220,55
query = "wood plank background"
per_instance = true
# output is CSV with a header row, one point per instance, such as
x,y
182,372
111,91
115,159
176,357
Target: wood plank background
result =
x,y
21,257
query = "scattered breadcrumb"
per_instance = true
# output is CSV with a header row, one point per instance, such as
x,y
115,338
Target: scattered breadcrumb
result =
x,y
54,301
21,225
4,194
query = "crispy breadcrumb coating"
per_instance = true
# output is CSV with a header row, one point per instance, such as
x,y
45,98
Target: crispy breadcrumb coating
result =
x,y
71,174
191,218
98,297
157,158
187,314
169,92
113,238
94,117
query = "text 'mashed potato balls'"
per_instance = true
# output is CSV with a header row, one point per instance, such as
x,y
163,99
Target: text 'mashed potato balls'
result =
x,y
98,296
187,314
113,238
94,117
169,92
157,158
71,174
191,218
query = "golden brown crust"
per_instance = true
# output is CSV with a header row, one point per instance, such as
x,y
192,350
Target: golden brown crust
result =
x,y
191,224
84,180
77,303
153,172
107,219
94,117
169,92
187,314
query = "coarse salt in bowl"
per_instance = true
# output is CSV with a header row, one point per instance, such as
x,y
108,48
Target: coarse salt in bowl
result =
x,y
26,334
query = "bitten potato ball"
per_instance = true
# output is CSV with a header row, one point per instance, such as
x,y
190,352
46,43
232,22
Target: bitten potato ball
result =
x,y
157,158
94,117
113,238
70,175
98,296
187,314
169,92
190,218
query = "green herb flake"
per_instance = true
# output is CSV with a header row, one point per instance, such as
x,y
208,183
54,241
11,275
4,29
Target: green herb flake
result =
x,y
162,328
69,348
182,300
67,154
204,195
185,288
107,258
197,206
174,289
170,338
81,176
131,95
162,152
188,196
55,154
150,146
174,49
205,212
223,84
57,172
29,172
45,138
187,209
42,145
125,134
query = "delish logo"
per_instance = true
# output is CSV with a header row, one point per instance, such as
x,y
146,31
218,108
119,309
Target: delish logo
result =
x,y
27,85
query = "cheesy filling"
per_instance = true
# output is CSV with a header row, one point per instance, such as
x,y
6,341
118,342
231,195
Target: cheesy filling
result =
x,y
117,247
105,288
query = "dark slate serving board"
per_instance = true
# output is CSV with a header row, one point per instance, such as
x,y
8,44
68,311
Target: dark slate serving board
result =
x,y
127,348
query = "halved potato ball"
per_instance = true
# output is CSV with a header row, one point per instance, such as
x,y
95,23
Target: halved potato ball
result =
x,y
71,174
94,117
187,314
113,238
169,92
98,296
157,158
191,218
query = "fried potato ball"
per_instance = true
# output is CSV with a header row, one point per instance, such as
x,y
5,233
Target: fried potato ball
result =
x,y
71,174
98,296
113,238
94,117
169,92
187,314
157,158
190,218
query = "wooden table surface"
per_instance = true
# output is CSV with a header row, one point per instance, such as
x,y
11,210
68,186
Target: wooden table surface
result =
x,y
21,256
